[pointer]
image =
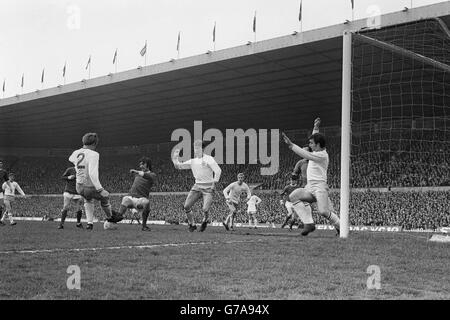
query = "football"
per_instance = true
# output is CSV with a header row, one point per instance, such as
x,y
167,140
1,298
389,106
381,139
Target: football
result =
x,y
109,226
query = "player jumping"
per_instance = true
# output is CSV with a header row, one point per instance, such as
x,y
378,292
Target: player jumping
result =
x,y
87,181
316,189
138,196
207,173
232,195
71,195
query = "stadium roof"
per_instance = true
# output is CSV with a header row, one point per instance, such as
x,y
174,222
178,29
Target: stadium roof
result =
x,y
278,83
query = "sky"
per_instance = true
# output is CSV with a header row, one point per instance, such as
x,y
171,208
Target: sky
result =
x,y
47,34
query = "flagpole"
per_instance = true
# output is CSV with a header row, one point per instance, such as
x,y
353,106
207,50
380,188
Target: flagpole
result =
x,y
117,57
214,37
255,28
145,53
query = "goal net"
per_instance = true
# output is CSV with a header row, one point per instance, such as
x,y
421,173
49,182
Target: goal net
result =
x,y
399,101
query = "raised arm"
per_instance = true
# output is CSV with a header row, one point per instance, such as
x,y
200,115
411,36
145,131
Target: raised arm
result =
x,y
316,126
300,151
176,161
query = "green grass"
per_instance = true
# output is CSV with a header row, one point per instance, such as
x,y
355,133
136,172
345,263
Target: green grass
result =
x,y
246,264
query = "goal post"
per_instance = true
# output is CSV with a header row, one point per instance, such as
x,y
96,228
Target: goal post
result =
x,y
345,133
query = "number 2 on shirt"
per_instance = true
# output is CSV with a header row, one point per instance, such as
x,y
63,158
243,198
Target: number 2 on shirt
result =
x,y
80,158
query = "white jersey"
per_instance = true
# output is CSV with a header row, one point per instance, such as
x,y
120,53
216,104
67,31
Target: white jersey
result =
x,y
11,187
234,191
206,171
252,203
317,170
86,167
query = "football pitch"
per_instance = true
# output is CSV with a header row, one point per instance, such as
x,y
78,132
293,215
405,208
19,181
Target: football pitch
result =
x,y
171,263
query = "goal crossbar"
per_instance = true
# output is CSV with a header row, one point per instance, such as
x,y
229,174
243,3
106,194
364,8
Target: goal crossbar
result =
x,y
402,51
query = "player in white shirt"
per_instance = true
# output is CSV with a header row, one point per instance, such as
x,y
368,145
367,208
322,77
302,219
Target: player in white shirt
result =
x,y
316,189
207,173
9,189
87,181
232,195
251,210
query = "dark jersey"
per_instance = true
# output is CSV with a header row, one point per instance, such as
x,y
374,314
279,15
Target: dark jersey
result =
x,y
3,178
70,184
142,185
300,171
287,191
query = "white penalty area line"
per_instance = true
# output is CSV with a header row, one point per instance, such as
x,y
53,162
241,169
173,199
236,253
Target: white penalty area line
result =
x,y
143,246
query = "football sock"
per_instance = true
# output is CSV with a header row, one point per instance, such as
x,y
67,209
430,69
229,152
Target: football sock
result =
x,y
303,212
145,215
227,220
334,219
89,209
79,214
205,216
190,217
63,215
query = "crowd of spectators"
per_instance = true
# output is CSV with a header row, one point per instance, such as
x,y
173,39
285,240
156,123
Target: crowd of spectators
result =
x,y
375,163
410,210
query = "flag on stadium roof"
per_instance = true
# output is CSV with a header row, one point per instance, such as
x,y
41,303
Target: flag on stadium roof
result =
x,y
214,32
4,85
42,75
64,69
144,49
254,23
353,3
88,63
178,41
115,57
22,80
300,12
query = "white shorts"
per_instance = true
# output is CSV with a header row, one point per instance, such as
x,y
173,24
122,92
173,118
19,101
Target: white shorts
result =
x,y
289,206
251,211
70,196
1,195
132,202
315,187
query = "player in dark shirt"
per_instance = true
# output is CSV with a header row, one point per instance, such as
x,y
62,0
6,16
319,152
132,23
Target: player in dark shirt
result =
x,y
3,178
71,195
285,200
138,197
